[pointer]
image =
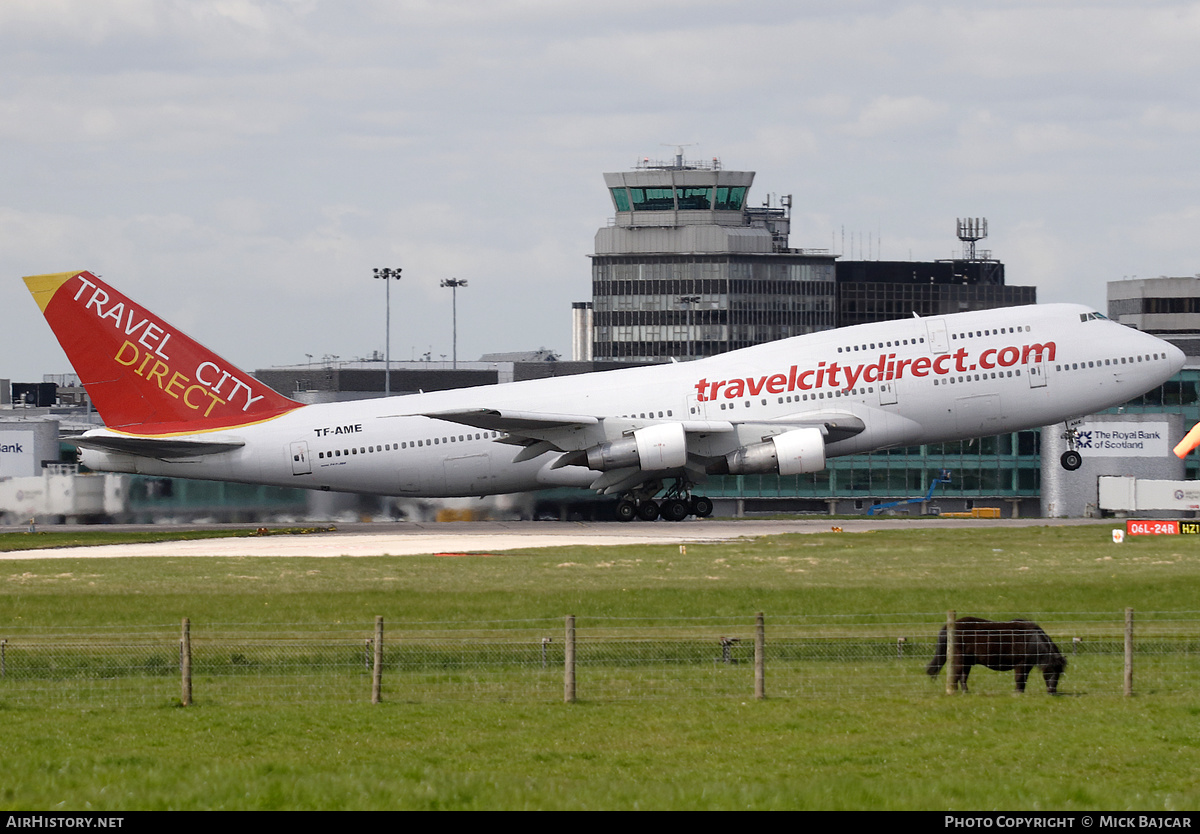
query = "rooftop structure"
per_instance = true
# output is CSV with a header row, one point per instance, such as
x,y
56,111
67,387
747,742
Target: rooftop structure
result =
x,y
881,290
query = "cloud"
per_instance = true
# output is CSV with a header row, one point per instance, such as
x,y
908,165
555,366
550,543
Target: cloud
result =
x,y
243,164
886,116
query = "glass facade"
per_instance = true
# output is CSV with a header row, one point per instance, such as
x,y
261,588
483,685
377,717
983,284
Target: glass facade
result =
x,y
684,198
1149,304
1004,466
862,302
654,307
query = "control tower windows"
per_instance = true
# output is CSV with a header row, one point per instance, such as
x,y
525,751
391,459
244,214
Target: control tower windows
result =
x,y
686,198
695,198
652,199
730,198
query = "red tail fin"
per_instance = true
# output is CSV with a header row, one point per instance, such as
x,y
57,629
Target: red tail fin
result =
x,y
142,374
1190,441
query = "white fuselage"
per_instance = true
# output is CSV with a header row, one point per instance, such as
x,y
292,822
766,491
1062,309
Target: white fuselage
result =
x,y
911,381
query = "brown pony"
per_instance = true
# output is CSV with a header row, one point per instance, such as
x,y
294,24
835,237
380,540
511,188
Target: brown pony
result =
x,y
1017,644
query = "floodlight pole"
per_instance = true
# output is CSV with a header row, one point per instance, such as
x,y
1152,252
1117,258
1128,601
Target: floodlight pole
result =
x,y
454,284
387,275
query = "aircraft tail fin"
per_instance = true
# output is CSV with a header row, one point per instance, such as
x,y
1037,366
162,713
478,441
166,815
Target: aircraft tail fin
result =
x,y
142,374
1190,441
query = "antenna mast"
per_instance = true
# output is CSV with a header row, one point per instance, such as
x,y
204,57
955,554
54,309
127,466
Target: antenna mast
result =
x,y
971,230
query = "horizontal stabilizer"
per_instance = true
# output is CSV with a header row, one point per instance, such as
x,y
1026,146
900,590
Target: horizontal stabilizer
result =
x,y
153,447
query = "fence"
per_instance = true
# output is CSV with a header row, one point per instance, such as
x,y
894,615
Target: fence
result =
x,y
596,659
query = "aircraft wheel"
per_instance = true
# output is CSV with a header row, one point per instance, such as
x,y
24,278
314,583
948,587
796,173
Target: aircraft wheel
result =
x,y
674,510
626,510
702,507
1071,460
647,511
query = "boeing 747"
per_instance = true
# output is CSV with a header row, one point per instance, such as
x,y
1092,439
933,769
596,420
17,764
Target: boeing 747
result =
x,y
173,408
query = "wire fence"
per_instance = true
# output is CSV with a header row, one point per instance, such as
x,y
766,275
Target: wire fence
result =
x,y
596,659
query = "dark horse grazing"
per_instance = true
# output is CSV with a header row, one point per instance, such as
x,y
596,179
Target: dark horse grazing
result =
x,y
1018,644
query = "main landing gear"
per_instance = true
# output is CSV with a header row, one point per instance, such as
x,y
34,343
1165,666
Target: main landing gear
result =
x,y
677,504
1071,459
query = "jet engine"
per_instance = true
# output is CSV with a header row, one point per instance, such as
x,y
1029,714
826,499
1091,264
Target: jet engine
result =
x,y
791,453
653,449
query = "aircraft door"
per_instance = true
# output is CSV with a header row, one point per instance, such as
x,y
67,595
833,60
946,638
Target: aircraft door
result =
x,y
1037,374
301,465
697,410
887,393
938,341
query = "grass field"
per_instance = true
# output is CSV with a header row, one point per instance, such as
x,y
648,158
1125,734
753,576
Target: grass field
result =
x,y
902,747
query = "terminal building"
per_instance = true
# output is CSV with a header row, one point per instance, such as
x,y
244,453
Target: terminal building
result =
x,y
687,268
1170,309
1167,307
881,290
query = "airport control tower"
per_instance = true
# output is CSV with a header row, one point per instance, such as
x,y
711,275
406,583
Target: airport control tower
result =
x,y
687,270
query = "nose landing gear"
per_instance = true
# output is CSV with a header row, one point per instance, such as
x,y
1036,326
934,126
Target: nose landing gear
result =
x,y
1071,459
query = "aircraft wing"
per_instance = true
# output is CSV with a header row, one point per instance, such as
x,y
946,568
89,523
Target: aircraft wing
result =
x,y
834,425
541,432
513,422
153,447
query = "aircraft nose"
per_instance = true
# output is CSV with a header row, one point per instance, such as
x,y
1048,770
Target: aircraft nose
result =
x,y
1176,357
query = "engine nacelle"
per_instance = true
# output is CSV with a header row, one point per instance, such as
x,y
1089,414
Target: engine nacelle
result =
x,y
655,448
791,453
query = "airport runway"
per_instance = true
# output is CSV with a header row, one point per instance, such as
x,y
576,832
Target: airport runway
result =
x,y
410,539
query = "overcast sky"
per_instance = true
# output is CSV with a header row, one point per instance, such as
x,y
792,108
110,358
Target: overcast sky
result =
x,y
240,166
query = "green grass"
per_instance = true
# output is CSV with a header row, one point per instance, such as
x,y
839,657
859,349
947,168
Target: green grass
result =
x,y
1019,570
937,753
684,734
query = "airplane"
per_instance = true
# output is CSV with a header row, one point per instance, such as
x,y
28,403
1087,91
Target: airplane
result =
x,y
173,408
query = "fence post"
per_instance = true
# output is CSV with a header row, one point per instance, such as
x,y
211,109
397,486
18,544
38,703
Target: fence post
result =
x,y
1128,652
377,666
185,662
569,661
951,653
760,659
3,665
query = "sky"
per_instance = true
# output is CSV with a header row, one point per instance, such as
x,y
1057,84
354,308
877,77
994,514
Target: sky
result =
x,y
241,166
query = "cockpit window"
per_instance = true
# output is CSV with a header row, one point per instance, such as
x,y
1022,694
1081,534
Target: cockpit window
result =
x,y
1092,317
